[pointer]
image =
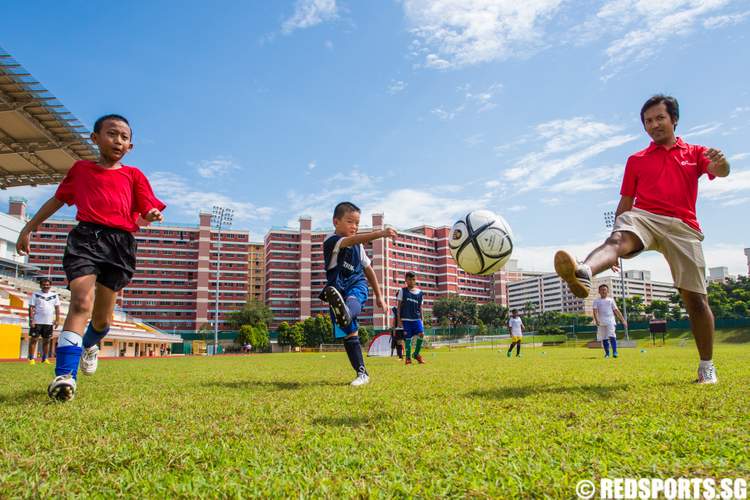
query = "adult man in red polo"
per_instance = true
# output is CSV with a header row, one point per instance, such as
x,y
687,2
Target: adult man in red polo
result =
x,y
657,212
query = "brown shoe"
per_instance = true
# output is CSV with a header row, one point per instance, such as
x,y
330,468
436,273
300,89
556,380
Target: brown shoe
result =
x,y
419,359
576,276
408,361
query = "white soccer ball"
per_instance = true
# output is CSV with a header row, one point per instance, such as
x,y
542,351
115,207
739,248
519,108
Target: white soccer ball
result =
x,y
481,242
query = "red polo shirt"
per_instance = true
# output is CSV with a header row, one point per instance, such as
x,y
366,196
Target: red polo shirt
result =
x,y
665,181
110,197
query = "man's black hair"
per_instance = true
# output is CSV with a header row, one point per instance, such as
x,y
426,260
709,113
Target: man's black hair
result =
x,y
344,208
100,121
603,285
45,280
673,107
409,274
514,311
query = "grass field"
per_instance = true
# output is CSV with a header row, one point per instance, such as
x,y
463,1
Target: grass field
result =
x,y
469,423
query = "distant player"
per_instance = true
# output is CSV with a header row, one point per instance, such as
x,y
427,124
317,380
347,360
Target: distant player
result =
x,y
409,306
516,328
397,337
44,317
348,272
605,309
112,200
657,212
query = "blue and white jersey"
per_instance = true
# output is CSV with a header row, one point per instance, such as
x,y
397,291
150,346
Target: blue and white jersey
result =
x,y
345,267
411,304
44,306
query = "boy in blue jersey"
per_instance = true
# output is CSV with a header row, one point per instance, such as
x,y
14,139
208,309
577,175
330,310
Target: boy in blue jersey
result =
x,y
410,316
348,272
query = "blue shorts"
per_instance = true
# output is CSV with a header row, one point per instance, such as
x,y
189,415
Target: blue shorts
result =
x,y
360,293
412,328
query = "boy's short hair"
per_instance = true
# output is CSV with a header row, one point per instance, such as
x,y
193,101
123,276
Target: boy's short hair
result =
x,y
673,107
514,311
100,121
604,285
344,208
45,280
409,274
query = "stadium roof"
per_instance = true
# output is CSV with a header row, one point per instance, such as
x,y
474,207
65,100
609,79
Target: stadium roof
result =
x,y
39,139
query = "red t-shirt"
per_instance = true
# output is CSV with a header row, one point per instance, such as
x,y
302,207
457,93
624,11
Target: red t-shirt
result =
x,y
665,181
110,197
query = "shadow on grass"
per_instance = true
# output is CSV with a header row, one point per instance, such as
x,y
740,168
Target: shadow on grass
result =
x,y
352,420
24,397
275,385
601,391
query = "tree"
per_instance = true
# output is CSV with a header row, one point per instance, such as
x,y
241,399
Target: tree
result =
x,y
658,308
492,314
260,340
364,335
253,313
245,335
291,335
458,311
635,307
317,330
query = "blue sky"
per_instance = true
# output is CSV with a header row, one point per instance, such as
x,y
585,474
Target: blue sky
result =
x,y
422,110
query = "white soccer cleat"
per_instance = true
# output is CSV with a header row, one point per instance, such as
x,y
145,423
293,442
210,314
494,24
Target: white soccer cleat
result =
x,y
89,360
707,375
361,379
62,388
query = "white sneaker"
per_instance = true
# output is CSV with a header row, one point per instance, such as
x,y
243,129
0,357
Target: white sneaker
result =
x,y
707,375
89,360
361,379
62,388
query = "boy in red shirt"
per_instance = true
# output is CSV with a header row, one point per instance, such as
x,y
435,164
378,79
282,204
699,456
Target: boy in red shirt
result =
x,y
112,200
657,212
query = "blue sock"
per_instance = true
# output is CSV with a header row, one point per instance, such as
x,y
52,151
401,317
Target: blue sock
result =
x,y
605,344
354,353
92,337
613,341
355,307
68,354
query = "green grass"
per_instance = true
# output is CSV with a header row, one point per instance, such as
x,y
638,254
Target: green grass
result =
x,y
469,423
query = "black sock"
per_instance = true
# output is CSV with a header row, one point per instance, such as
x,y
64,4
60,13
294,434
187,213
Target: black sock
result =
x,y
518,349
354,352
510,349
400,350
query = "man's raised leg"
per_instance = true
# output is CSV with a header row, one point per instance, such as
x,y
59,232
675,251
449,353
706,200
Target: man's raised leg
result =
x,y
702,326
578,275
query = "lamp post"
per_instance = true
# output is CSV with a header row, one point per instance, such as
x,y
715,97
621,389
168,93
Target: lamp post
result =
x,y
221,217
609,221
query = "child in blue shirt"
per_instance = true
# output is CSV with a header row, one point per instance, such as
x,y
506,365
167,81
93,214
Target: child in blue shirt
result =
x,y
348,273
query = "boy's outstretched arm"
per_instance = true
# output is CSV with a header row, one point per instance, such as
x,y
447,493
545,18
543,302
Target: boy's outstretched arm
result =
x,y
48,209
350,241
373,280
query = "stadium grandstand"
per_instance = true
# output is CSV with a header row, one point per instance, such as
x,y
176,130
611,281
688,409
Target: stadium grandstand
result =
x,y
39,142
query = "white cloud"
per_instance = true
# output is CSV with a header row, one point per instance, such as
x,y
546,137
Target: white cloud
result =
x,y
183,197
397,86
328,44
739,156
479,101
725,20
492,184
567,145
308,13
405,208
722,187
516,208
640,28
591,179
218,167
732,202
456,33
474,140
739,110
703,129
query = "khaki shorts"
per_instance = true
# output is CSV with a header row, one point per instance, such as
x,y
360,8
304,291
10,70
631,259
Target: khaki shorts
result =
x,y
679,243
